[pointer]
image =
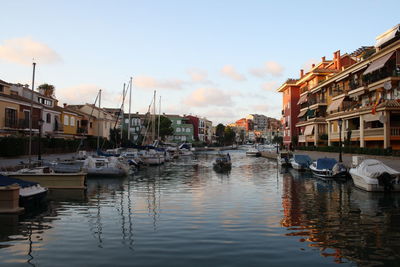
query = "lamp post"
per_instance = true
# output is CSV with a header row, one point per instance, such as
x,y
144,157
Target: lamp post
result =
x,y
40,123
340,122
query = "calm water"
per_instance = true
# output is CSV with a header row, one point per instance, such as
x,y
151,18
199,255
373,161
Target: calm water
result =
x,y
185,214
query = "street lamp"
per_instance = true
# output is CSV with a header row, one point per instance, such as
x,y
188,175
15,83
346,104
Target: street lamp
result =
x,y
340,122
40,123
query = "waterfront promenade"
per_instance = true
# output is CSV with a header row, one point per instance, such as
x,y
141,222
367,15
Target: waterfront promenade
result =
x,y
393,162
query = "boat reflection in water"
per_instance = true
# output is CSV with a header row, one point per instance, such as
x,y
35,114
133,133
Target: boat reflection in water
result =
x,y
341,221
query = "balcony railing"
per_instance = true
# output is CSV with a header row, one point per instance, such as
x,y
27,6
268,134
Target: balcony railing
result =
x,y
316,101
373,132
395,131
11,122
374,77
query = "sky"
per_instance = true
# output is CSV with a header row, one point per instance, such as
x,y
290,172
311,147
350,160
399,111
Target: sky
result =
x,y
216,59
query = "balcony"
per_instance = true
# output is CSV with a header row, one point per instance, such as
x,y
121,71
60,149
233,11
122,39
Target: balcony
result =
x,y
373,132
304,89
395,131
375,77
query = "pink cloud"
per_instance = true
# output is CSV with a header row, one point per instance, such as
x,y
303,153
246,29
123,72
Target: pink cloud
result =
x,y
229,71
270,67
208,96
147,82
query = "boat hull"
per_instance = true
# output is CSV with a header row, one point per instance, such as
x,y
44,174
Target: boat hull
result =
x,y
369,184
253,154
54,180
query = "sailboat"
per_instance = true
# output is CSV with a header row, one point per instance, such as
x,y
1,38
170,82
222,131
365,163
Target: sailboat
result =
x,y
150,156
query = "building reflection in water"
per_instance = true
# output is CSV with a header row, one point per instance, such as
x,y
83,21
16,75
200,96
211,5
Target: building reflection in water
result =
x,y
341,221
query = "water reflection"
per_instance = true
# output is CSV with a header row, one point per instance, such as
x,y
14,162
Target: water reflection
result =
x,y
184,213
342,222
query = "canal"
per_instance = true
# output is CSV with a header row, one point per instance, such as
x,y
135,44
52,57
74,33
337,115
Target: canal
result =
x,y
186,214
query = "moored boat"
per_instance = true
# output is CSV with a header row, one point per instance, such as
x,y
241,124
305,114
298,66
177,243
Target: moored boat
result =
x,y
328,168
31,194
253,152
374,176
105,166
300,162
284,158
46,177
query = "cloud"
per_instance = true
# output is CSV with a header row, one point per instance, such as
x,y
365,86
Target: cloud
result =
x,y
25,50
269,86
203,97
229,71
198,76
260,108
147,82
86,93
270,67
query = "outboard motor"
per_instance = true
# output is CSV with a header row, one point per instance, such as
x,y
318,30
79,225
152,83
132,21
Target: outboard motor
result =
x,y
339,169
385,180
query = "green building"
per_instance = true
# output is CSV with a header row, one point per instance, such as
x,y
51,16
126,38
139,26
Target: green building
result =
x,y
183,130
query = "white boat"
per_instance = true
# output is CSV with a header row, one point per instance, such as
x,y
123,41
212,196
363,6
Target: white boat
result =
x,y
105,166
46,177
301,162
373,175
253,152
328,168
31,194
152,157
284,158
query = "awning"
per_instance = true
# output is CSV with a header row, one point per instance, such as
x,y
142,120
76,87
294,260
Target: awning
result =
x,y
377,64
371,117
302,99
335,104
359,68
387,36
302,113
308,130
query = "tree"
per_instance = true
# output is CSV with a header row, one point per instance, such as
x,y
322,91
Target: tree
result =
x,y
48,89
165,126
219,132
229,136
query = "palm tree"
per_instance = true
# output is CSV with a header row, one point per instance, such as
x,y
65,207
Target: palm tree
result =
x,y
48,89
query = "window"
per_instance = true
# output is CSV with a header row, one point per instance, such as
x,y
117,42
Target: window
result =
x,y
27,117
178,130
48,118
72,121
178,122
66,120
91,124
188,130
44,101
126,121
11,118
1,88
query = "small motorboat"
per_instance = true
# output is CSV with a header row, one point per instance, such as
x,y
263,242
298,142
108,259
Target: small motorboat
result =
x,y
328,168
301,162
284,158
31,194
105,166
253,152
222,163
372,175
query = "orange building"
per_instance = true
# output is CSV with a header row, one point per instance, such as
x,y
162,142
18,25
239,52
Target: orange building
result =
x,y
245,123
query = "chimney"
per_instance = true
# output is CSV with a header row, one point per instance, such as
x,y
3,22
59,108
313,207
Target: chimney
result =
x,y
338,64
301,73
312,65
323,59
65,105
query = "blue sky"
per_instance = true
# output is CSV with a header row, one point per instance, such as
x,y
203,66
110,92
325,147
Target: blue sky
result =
x,y
219,59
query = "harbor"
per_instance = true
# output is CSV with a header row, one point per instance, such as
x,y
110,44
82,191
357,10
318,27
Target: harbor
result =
x,y
185,213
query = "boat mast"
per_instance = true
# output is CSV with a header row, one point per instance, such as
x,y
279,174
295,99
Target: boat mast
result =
x,y
122,108
130,103
98,122
153,128
159,117
30,113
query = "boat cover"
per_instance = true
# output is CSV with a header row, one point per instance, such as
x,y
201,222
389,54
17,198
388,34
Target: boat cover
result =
x,y
303,160
6,181
326,163
373,168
